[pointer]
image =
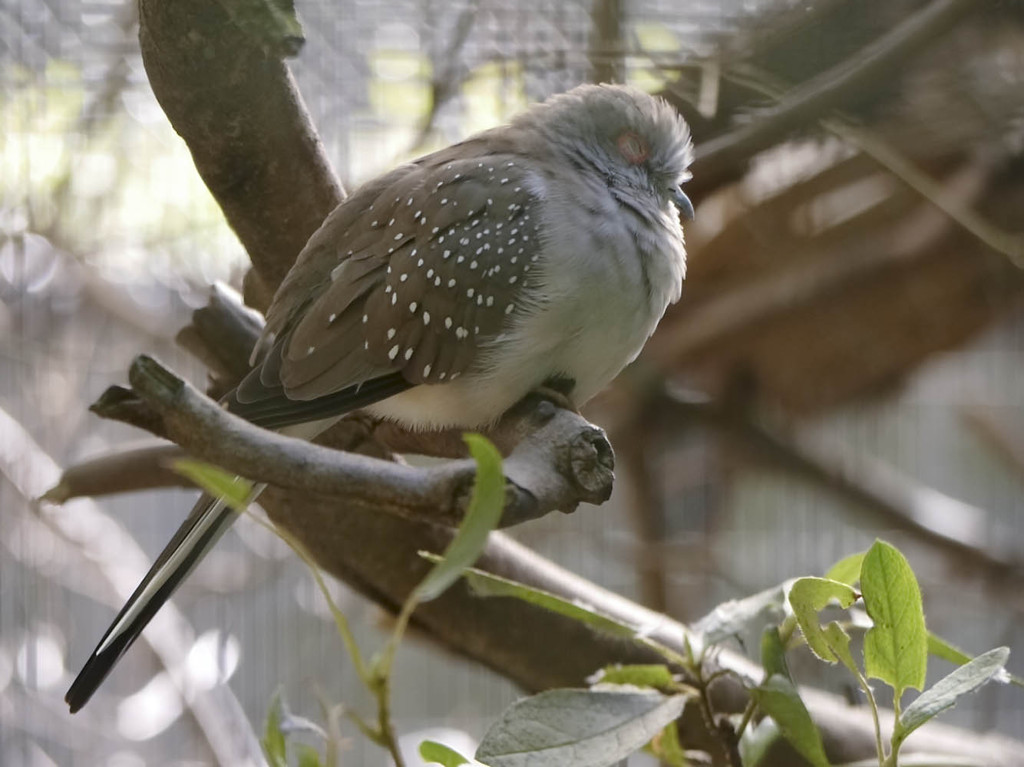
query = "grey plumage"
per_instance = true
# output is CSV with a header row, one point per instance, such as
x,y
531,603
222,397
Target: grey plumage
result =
x,y
443,292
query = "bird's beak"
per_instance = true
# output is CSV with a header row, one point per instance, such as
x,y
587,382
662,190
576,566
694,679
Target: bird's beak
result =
x,y
683,204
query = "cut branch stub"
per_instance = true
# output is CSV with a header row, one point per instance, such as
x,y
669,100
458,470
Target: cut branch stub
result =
x,y
120,404
593,465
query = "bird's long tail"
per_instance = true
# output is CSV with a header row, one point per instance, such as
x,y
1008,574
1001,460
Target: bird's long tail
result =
x,y
211,517
208,520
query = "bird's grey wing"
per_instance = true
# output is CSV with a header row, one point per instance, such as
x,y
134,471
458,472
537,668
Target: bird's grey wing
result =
x,y
412,284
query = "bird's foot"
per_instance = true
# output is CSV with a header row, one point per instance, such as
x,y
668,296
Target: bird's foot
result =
x,y
557,391
555,397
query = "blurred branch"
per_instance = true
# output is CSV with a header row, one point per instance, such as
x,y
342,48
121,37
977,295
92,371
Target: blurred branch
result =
x,y
998,436
647,512
121,471
874,146
449,70
724,157
93,533
783,291
957,528
1009,244
606,48
95,114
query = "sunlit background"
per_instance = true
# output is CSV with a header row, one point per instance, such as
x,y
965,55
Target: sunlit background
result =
x,y
904,379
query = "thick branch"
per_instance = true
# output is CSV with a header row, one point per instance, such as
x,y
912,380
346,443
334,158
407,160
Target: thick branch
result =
x,y
562,461
244,122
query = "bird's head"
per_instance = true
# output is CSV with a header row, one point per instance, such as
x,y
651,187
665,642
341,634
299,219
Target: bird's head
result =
x,y
638,142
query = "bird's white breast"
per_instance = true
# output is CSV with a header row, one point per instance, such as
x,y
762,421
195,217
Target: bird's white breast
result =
x,y
598,293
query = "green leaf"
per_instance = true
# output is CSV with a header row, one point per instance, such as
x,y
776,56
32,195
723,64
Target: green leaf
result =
x,y
809,595
577,728
653,675
944,693
214,480
666,746
896,647
778,698
274,744
839,643
757,739
309,756
482,516
773,653
847,569
940,648
431,751
738,615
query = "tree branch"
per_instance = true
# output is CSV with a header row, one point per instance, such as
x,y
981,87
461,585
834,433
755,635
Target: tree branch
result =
x,y
243,119
1000,437
562,462
121,471
724,157
960,530
747,308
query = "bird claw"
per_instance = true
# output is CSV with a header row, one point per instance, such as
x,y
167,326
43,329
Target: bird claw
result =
x,y
548,395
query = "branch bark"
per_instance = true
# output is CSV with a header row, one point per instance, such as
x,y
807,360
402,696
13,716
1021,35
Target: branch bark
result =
x,y
963,532
244,121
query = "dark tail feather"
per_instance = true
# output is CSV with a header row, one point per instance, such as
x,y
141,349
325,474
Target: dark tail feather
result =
x,y
209,518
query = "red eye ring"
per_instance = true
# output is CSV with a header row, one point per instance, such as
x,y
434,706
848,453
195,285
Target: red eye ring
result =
x,y
632,147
